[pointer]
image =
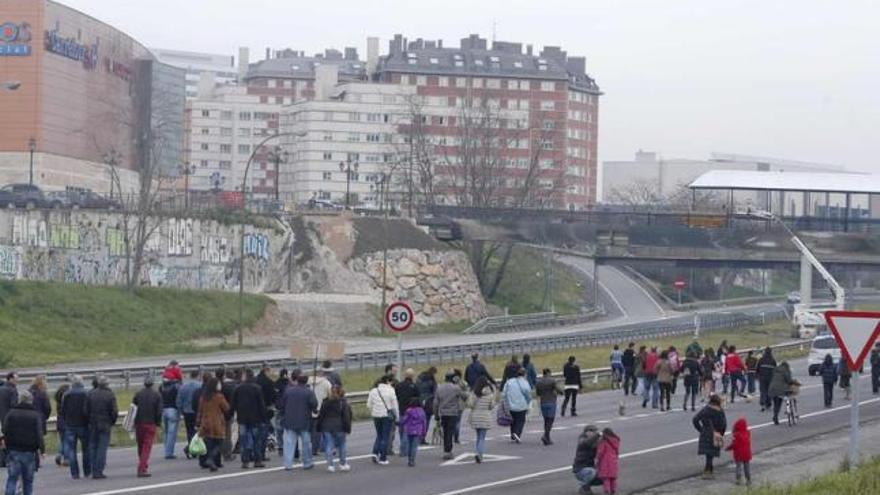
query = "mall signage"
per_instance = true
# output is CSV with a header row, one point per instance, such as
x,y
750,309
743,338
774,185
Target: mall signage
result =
x,y
72,49
15,39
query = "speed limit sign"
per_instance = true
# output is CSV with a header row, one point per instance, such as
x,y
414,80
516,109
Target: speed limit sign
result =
x,y
399,316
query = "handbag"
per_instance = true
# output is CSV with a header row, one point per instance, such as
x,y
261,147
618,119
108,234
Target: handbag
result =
x,y
392,414
197,446
128,422
502,414
717,440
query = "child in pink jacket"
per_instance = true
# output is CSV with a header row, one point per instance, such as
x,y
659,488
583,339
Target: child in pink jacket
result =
x,y
607,453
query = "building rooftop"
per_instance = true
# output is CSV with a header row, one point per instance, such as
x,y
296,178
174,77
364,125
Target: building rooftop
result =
x,y
474,57
788,181
296,65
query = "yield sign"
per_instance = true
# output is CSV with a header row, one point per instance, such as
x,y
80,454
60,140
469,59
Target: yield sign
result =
x,y
855,332
469,459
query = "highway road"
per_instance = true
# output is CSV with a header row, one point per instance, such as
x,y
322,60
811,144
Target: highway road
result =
x,y
657,447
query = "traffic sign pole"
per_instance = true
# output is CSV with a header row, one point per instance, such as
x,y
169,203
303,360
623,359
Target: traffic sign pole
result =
x,y
399,355
854,421
399,317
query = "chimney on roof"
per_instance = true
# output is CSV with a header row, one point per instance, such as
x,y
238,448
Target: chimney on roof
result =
x,y
268,53
529,50
473,42
430,44
439,43
554,53
243,62
576,66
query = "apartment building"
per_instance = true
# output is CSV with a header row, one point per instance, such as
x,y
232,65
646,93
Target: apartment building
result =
x,y
225,124
221,68
558,99
287,76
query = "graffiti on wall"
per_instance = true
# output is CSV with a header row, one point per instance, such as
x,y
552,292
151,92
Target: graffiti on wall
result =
x,y
10,262
64,236
29,231
256,246
215,249
180,236
115,240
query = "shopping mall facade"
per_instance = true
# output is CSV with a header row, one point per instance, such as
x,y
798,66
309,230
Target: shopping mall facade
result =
x,y
81,99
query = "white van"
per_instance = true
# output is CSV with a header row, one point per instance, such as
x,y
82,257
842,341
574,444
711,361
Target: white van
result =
x,y
822,345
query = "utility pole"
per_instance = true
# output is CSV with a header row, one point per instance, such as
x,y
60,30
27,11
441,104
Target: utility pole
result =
x,y
32,147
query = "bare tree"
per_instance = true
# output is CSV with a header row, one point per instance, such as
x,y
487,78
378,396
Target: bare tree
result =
x,y
638,192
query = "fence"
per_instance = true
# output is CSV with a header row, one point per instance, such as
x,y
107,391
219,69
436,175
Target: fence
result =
x,y
593,375
498,324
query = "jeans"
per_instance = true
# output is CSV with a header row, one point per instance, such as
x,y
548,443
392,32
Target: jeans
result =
x,y
828,393
585,476
875,379
665,394
737,384
743,467
405,445
629,381
145,434
617,375
414,448
189,422
570,393
750,382
691,389
72,435
171,418
99,442
457,429
548,412
480,444
448,425
290,439
380,445
725,383
62,444
652,389
519,422
335,440
20,465
764,387
247,440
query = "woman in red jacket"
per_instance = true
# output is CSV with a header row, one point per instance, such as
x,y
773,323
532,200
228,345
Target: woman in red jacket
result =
x,y
742,450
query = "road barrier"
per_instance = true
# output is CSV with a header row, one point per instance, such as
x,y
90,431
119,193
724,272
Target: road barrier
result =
x,y
532,321
590,375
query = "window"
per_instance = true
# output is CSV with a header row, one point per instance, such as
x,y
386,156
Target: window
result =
x,y
226,115
272,83
548,86
263,115
244,132
372,158
328,115
206,113
389,99
387,137
421,80
548,105
287,83
264,99
434,60
279,100
374,117
328,136
546,144
226,131
205,131
225,148
477,82
328,155
203,163
460,82
546,164
354,117
517,64
493,83
373,138
548,125
328,176
354,137
203,146
244,116
244,148
225,164
443,81
478,62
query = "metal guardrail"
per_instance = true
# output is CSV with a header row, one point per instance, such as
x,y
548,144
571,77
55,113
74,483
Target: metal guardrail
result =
x,y
590,374
498,324
124,377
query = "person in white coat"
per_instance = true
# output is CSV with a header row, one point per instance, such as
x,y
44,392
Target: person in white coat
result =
x,y
517,395
382,404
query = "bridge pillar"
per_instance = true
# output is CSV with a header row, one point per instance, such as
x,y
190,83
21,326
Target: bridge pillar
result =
x,y
806,281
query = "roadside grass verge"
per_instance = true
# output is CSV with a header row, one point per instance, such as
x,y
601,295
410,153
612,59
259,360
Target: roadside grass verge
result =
x,y
47,323
864,480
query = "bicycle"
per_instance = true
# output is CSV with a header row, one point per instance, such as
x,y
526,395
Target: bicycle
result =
x,y
791,411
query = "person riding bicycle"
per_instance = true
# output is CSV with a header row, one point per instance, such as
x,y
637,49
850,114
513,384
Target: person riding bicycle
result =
x,y
781,385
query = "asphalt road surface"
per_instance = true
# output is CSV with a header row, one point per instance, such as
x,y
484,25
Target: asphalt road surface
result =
x,y
657,447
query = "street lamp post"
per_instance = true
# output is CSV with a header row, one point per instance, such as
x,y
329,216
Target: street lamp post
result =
x,y
241,240
186,169
32,147
278,156
349,168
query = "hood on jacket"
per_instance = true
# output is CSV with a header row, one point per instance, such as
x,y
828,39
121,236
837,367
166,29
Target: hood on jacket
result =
x,y
740,426
613,442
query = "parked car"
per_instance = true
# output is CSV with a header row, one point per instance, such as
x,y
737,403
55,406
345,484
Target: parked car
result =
x,y
22,196
323,204
80,199
794,297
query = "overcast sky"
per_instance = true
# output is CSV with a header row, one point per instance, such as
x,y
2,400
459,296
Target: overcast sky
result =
x,y
788,79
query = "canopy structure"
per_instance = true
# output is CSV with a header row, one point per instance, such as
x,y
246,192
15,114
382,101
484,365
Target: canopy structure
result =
x,y
846,183
835,198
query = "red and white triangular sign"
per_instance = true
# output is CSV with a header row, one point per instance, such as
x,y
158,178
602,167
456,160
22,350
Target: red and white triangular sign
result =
x,y
855,332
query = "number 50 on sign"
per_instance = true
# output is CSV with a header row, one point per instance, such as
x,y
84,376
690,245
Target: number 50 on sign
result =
x,y
399,316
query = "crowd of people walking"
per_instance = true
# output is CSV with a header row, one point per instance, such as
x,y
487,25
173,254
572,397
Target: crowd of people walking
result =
x,y
303,413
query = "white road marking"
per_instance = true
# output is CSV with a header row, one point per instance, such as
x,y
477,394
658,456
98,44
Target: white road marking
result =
x,y
468,458
645,292
538,474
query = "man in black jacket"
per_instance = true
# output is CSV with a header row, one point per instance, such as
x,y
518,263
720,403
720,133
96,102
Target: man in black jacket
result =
x,y
8,395
475,370
573,384
24,442
147,419
76,426
766,367
584,465
629,369
170,414
251,414
103,412
405,392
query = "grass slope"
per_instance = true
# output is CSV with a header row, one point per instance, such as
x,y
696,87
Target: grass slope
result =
x,y
522,288
45,323
865,480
